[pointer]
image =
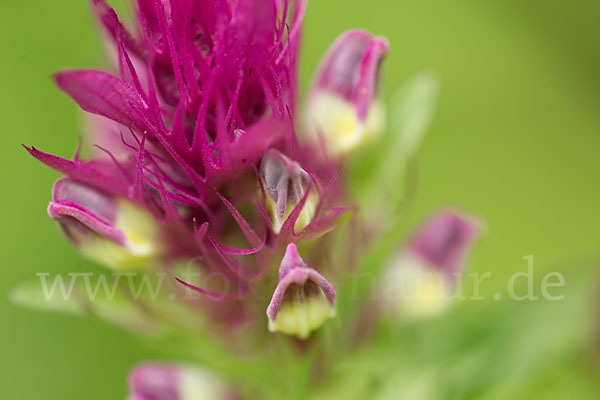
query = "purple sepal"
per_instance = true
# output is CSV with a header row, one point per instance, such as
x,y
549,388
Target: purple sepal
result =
x,y
294,270
444,240
103,94
350,68
95,173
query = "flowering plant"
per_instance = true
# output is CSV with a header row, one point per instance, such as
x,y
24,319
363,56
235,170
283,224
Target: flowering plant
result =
x,y
278,223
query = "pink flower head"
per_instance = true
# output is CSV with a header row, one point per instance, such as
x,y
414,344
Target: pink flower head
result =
x,y
209,83
195,132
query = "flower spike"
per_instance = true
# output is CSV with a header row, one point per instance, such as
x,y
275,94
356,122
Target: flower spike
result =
x,y
112,231
344,107
303,300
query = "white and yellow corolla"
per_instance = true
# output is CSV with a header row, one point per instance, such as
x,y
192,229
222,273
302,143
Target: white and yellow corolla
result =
x,y
285,184
421,280
175,381
303,300
115,232
344,109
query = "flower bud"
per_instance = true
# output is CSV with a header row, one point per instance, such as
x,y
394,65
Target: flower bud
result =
x,y
422,279
303,299
112,231
444,241
344,107
174,382
285,183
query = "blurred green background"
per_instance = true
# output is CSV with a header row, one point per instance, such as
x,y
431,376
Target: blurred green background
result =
x,y
515,139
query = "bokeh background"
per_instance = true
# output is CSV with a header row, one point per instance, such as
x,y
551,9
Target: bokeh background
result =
x,y
515,139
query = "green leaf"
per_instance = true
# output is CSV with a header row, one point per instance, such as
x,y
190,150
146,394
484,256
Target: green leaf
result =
x,y
31,295
79,296
412,107
410,111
